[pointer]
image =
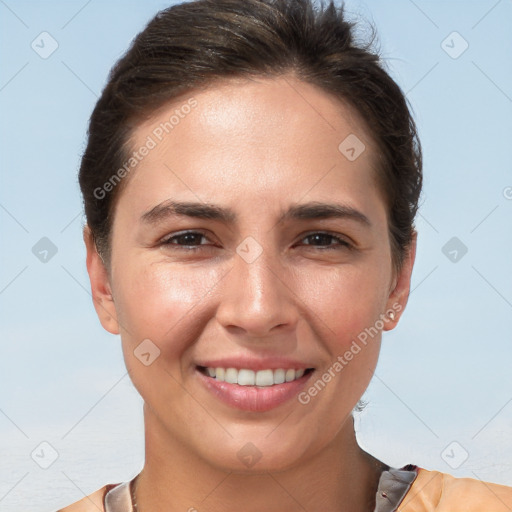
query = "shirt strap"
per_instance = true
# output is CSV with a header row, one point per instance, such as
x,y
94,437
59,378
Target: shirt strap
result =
x,y
393,486
119,499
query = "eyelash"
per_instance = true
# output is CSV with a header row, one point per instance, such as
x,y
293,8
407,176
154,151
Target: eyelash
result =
x,y
341,242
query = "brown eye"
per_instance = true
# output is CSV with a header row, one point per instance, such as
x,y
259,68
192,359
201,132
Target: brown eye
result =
x,y
324,241
189,240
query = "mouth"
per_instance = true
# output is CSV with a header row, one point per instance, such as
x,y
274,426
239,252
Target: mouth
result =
x,y
260,378
250,390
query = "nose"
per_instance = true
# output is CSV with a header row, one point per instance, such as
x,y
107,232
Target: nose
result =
x,y
256,300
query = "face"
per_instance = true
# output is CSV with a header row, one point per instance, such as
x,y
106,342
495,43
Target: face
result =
x,y
251,271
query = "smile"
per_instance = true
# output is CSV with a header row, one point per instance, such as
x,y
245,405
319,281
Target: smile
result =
x,y
250,390
247,377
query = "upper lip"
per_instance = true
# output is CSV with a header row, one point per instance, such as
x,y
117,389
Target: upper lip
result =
x,y
255,364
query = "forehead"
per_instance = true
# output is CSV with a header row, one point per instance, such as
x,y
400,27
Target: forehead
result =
x,y
253,106
267,136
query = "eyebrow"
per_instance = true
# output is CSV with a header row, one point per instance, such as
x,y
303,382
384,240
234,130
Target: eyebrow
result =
x,y
311,210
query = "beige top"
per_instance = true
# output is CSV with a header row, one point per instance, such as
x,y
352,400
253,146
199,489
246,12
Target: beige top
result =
x,y
407,489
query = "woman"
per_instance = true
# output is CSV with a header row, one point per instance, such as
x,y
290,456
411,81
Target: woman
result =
x,y
250,184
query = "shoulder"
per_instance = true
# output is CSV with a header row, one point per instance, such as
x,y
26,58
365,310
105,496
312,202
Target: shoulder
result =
x,y
92,503
441,492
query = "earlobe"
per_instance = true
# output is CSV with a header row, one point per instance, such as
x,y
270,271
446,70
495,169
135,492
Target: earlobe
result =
x,y
100,285
400,293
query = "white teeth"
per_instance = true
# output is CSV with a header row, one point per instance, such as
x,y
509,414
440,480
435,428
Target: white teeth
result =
x,y
261,378
231,376
279,376
246,378
265,378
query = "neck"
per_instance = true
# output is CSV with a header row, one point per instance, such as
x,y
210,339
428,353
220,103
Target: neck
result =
x,y
341,477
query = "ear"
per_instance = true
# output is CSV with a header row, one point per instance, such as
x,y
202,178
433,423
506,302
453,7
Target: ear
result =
x,y
100,285
399,294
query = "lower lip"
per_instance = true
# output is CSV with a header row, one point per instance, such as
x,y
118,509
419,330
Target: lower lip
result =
x,y
254,398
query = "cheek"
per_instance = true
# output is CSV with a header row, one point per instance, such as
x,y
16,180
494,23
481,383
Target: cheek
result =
x,y
163,303
347,300
344,306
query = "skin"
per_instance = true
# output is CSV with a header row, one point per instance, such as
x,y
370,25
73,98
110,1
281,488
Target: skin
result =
x,y
256,146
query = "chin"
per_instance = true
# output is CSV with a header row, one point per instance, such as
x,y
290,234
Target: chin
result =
x,y
260,455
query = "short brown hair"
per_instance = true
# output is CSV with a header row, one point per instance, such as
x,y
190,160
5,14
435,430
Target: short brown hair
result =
x,y
192,44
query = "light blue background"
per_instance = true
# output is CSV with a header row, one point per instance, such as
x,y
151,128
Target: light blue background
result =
x,y
444,374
